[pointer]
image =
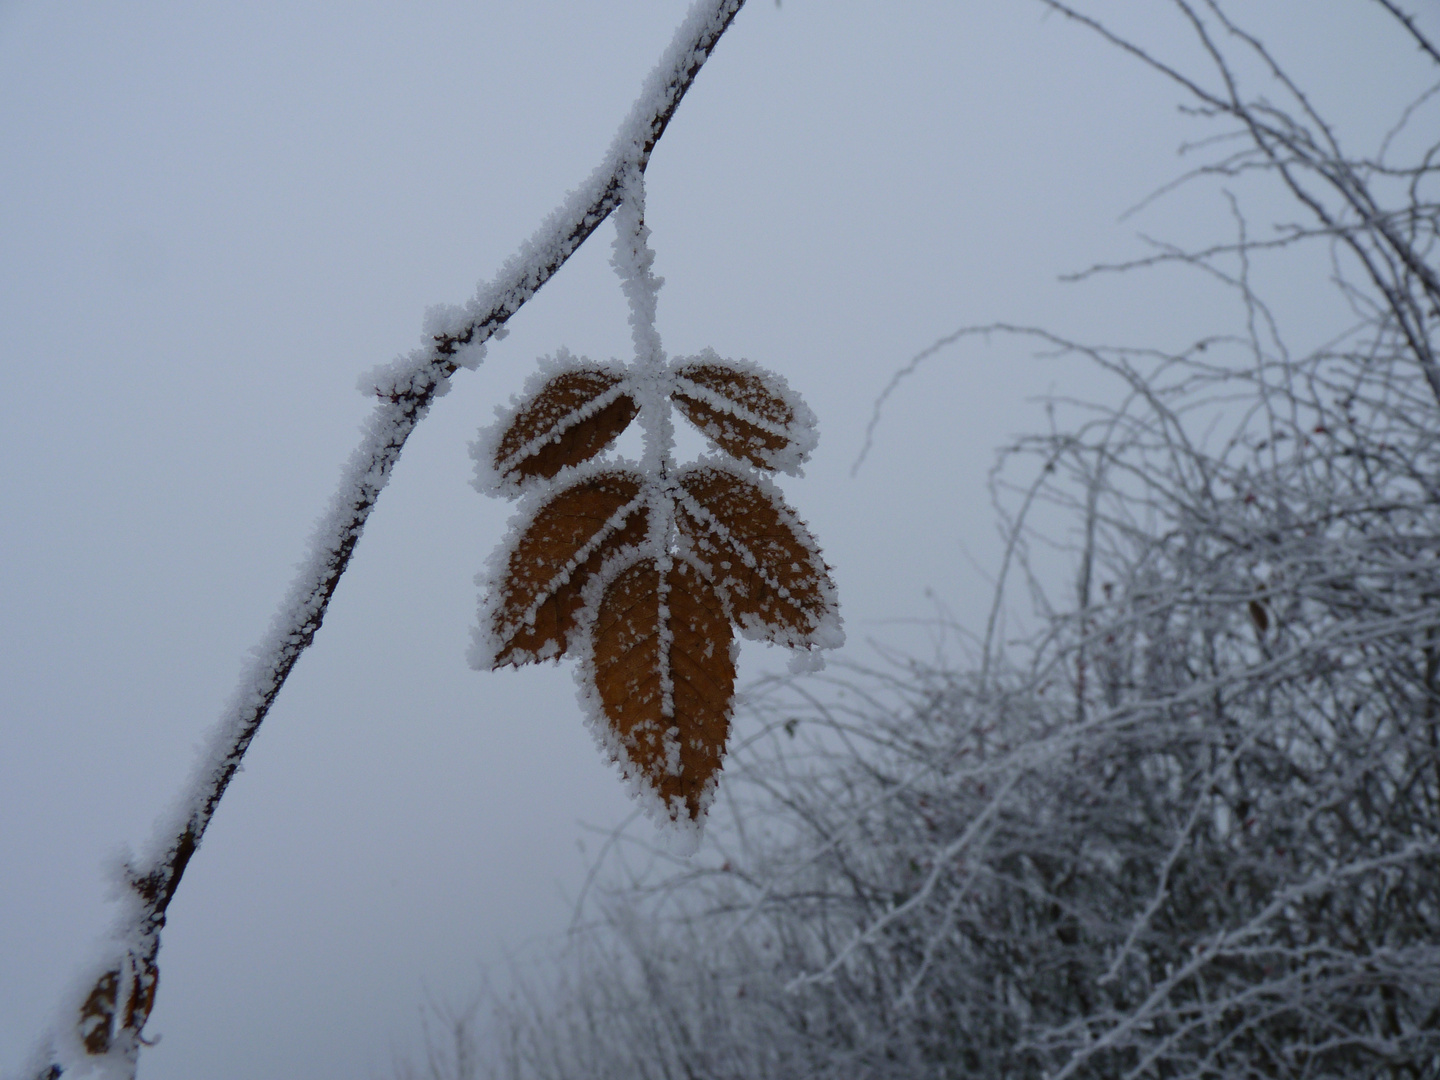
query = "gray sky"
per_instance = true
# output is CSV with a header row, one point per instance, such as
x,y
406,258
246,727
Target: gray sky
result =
x,y
214,217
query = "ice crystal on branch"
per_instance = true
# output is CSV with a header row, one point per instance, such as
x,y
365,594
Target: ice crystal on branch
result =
x,y
643,570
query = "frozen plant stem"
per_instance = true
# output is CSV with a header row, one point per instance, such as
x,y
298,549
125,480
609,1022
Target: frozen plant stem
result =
x,y
100,1022
633,261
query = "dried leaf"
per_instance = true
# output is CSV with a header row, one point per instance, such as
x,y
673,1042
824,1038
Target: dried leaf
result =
x,y
666,678
750,414
144,981
759,555
567,541
97,1014
574,417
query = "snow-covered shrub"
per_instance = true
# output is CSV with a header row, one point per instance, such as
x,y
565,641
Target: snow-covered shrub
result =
x,y
1190,827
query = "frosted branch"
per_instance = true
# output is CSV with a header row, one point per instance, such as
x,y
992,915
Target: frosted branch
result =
x,y
101,1020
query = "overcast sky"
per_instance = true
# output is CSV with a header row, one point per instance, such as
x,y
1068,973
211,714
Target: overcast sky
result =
x,y
214,217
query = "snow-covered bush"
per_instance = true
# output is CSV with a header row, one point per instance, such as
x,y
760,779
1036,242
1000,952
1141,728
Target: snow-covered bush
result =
x,y
1189,827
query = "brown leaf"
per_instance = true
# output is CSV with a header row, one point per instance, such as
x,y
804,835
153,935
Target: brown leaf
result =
x,y
573,417
744,413
759,555
568,539
97,1014
666,678
145,980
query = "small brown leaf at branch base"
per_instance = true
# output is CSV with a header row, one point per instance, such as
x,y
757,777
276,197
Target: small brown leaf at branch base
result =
x,y
569,538
758,554
666,679
561,426
143,986
745,415
97,1014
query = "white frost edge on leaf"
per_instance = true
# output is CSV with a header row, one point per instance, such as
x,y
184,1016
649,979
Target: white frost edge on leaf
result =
x,y
806,662
485,645
826,631
492,480
802,432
